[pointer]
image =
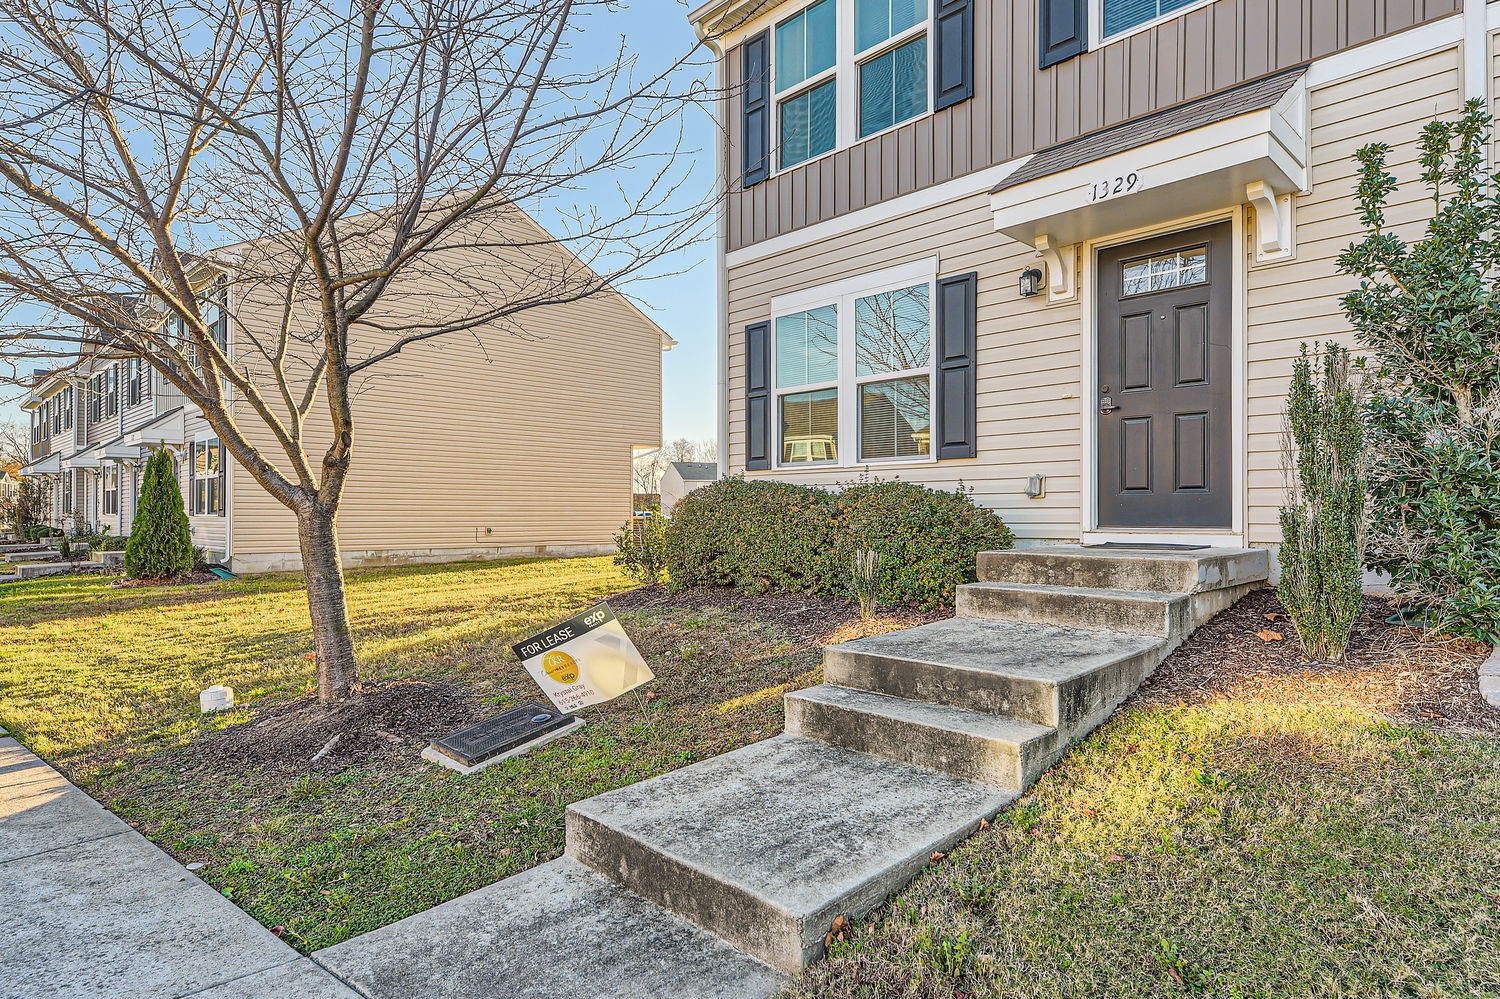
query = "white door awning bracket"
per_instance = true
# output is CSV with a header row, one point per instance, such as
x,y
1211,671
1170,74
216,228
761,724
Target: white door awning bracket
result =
x,y
1061,265
1275,222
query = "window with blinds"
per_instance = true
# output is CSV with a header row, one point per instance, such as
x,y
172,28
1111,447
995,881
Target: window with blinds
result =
x,y
856,368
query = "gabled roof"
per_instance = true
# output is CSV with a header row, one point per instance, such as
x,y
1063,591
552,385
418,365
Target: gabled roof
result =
x,y
696,471
1257,95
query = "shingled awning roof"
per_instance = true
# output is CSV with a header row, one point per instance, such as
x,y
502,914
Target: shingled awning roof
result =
x,y
1257,95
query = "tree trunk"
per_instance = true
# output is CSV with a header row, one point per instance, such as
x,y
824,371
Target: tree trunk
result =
x,y
332,638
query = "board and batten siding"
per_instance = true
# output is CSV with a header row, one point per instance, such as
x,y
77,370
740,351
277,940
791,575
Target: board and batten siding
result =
x,y
1029,353
1018,109
482,444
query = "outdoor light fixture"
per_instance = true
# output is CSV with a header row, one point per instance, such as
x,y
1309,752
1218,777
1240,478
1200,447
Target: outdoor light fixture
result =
x,y
1031,283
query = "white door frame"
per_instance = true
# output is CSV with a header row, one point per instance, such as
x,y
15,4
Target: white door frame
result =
x,y
1089,394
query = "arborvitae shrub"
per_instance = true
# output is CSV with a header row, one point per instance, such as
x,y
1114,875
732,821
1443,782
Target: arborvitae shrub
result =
x,y
161,542
1323,522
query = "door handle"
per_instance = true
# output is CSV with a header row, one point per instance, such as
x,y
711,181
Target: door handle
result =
x,y
1107,406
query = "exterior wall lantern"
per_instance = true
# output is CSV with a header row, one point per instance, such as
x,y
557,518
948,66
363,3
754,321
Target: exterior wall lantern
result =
x,y
1031,282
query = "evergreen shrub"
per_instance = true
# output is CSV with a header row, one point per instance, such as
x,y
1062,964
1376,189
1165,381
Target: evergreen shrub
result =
x,y
160,546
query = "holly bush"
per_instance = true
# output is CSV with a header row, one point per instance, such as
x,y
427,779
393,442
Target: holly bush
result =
x,y
1427,314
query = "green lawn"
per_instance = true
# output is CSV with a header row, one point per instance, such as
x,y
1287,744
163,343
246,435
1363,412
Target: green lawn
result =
x,y
1233,849
103,682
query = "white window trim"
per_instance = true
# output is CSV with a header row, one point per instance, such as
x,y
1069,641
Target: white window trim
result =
x,y
845,73
1097,38
843,295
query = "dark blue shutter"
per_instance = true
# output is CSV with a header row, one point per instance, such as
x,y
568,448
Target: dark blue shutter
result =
x,y
758,396
755,59
953,53
1064,30
957,375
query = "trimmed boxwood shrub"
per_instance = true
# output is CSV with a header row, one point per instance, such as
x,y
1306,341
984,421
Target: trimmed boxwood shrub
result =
x,y
759,536
754,536
927,538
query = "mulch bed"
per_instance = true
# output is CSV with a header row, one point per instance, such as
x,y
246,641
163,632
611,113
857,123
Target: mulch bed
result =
x,y
805,619
382,719
194,578
1407,674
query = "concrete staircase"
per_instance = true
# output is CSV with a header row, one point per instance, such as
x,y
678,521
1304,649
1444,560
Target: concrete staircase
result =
x,y
913,739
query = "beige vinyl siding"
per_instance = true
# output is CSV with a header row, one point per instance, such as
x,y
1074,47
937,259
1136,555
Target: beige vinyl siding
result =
x,y
1018,108
1029,352
508,440
1298,300
1028,420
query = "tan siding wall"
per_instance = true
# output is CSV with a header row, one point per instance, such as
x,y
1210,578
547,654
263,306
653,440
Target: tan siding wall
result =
x,y
1298,300
1018,109
489,444
1029,360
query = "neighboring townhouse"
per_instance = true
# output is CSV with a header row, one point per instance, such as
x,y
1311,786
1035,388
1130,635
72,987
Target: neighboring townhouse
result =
x,y
498,441
1062,252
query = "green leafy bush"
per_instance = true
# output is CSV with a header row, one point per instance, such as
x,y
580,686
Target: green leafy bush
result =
x,y
927,538
759,536
1323,523
1428,314
161,542
754,536
640,547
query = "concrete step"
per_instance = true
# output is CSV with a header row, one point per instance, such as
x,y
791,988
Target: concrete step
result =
x,y
1135,612
1066,678
764,846
40,569
1126,569
967,744
555,930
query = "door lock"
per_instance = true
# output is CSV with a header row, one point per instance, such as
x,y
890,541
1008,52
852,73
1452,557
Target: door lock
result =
x,y
1107,406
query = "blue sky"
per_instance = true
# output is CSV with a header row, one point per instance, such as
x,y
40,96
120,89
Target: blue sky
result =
x,y
682,302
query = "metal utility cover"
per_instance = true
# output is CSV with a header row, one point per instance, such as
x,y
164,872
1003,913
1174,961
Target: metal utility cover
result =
x,y
501,733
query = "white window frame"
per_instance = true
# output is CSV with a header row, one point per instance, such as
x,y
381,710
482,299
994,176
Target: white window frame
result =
x,y
843,295
845,73
109,496
1098,39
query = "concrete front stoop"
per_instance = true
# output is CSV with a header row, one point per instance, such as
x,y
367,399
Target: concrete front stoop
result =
x,y
729,872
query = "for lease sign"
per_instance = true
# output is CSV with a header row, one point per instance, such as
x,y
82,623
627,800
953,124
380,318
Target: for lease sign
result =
x,y
585,660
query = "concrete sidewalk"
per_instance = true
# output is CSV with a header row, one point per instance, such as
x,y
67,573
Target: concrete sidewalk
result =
x,y
89,907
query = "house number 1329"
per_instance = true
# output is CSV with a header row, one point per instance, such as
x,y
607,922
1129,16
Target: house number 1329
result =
x,y
1113,186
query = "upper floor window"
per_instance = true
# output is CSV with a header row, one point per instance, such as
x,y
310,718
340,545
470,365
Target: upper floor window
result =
x,y
861,60
112,390
1119,16
852,371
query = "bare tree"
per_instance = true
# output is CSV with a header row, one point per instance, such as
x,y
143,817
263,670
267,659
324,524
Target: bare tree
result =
x,y
646,471
166,165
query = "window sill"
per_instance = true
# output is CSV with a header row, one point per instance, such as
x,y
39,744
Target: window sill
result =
x,y
853,145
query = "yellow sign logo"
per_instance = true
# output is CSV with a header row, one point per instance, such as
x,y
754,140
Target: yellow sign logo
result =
x,y
560,666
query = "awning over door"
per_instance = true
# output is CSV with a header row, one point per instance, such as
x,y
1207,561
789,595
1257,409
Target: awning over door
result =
x,y
50,465
1248,143
165,430
88,458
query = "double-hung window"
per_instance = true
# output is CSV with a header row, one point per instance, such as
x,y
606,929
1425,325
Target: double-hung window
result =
x,y
67,491
806,75
852,371
847,69
112,390
890,42
109,489
206,484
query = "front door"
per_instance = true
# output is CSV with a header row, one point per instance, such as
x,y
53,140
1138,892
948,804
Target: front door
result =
x,y
1164,392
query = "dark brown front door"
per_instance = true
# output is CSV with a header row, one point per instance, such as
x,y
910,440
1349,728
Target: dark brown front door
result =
x,y
1164,394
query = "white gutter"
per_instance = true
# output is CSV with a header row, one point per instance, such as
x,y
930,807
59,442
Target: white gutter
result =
x,y
721,247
